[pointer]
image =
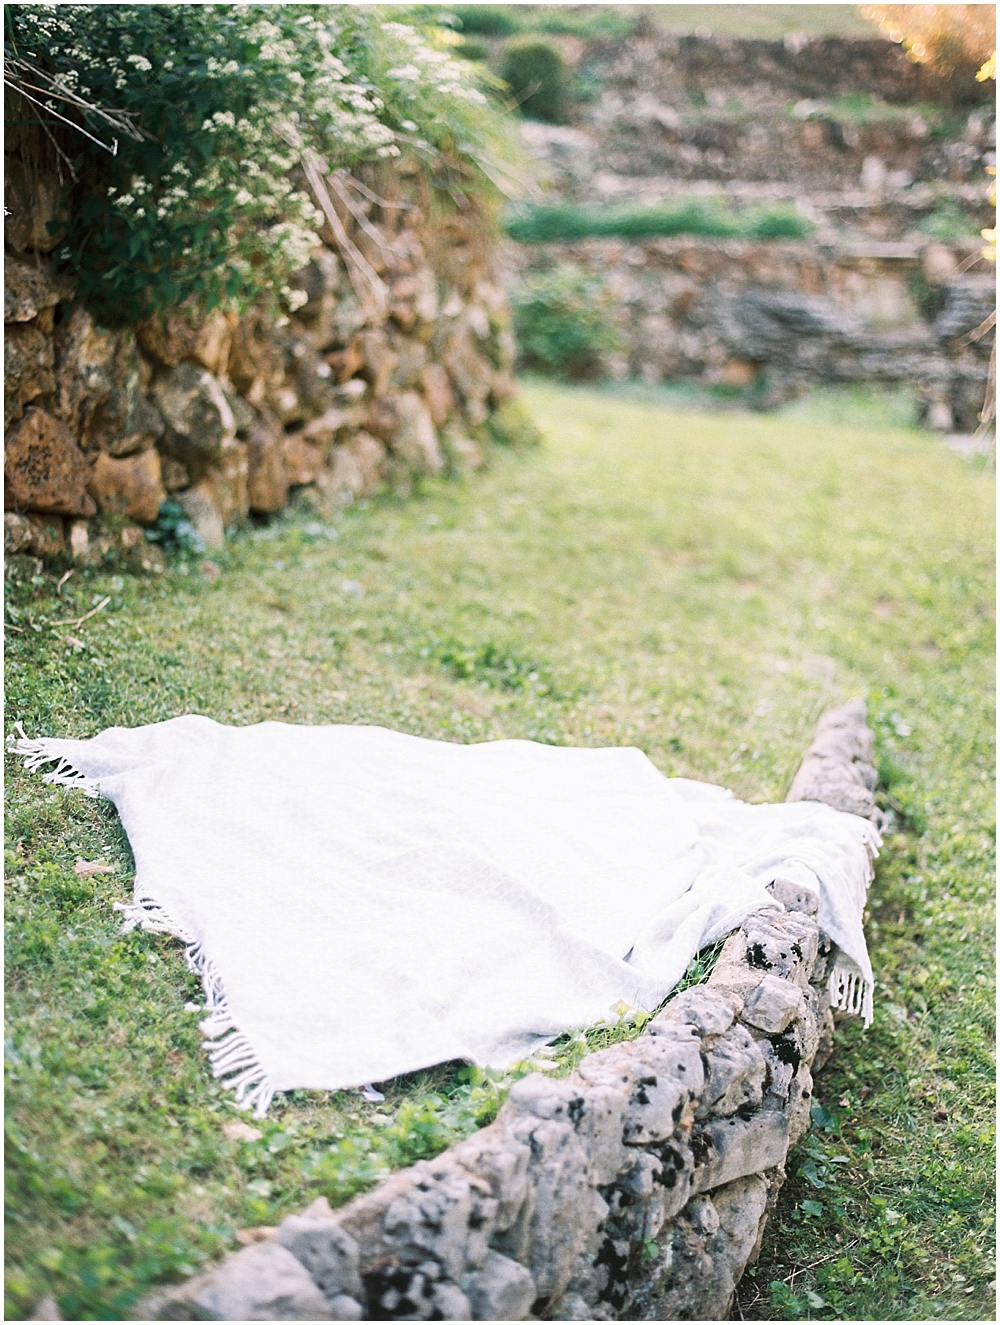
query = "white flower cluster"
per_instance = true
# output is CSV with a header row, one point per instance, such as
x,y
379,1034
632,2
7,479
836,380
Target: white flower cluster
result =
x,y
296,72
439,73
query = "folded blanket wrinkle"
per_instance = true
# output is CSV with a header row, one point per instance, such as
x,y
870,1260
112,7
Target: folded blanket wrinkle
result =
x,y
360,903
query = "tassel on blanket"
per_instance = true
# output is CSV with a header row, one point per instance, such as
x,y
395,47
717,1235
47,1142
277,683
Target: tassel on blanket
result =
x,y
849,990
36,754
232,1057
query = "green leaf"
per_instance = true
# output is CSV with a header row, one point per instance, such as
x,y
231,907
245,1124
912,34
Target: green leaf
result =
x,y
809,1172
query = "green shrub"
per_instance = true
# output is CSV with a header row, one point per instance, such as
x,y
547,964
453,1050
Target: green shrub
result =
x,y
472,50
947,221
551,223
776,223
488,20
508,20
211,109
511,425
536,74
563,322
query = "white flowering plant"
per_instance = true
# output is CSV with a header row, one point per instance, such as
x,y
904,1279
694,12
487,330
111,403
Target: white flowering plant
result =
x,y
199,197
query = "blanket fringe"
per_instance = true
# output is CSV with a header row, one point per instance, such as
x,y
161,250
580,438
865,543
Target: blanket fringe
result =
x,y
850,991
37,753
233,1059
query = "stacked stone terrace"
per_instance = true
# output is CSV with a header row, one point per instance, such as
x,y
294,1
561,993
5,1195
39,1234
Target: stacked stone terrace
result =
x,y
869,147
397,365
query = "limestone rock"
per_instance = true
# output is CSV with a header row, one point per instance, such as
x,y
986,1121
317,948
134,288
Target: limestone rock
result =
x,y
170,337
465,455
90,364
175,475
735,1073
327,1251
501,1161
346,362
773,1005
262,1282
244,415
601,1125
379,361
438,393
254,359
415,440
199,507
562,1211
48,536
16,532
448,1302
411,360
311,379
128,422
415,1292
303,460
838,767
644,1074
732,1148
267,476
322,316
354,469
431,1220
118,416
322,431
543,1097
708,1009
470,374
706,1250
32,209
213,343
343,1307
501,1290
784,945
228,481
132,486
28,360
30,286
199,421
44,470
794,897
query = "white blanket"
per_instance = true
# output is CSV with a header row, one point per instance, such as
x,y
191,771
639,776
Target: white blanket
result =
x,y
361,903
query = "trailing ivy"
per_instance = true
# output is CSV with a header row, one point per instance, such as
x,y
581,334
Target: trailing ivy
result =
x,y
201,197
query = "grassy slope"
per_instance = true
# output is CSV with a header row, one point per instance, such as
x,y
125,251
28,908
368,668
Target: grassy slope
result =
x,y
696,584
771,22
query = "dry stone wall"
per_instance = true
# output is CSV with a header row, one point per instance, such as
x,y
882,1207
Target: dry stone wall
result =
x,y
638,1188
879,155
775,317
396,364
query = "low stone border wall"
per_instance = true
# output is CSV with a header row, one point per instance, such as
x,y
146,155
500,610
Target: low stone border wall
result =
x,y
638,1188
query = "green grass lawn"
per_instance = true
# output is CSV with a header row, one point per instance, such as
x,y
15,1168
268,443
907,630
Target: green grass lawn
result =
x,y
698,584
770,22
